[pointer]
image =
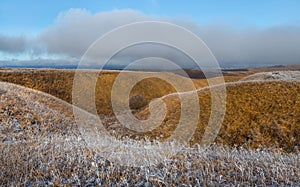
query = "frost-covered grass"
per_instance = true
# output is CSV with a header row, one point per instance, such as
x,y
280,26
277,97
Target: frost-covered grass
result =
x,y
276,75
60,160
47,148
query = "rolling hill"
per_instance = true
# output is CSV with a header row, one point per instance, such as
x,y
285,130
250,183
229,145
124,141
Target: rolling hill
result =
x,y
40,144
258,114
59,83
258,142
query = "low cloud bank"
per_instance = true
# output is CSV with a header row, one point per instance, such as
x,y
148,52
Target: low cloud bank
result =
x,y
75,30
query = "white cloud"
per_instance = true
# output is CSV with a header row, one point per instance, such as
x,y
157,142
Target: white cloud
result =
x,y
75,30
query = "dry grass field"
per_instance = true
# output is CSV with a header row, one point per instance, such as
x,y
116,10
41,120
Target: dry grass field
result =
x,y
41,147
59,84
258,143
258,114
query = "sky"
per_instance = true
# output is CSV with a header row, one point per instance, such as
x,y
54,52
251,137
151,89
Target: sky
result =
x,y
239,33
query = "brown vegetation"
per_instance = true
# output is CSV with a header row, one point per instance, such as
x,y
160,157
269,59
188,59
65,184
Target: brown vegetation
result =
x,y
40,146
258,114
59,83
40,143
137,102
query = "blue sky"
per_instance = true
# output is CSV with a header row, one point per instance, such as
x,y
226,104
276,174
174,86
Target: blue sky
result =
x,y
239,33
32,16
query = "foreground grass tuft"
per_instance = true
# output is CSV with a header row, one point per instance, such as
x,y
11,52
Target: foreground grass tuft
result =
x,y
62,160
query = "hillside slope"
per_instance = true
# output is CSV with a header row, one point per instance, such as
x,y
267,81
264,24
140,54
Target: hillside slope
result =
x,y
25,113
258,114
39,146
59,83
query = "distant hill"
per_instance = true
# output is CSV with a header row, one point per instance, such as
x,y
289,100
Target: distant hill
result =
x,y
275,75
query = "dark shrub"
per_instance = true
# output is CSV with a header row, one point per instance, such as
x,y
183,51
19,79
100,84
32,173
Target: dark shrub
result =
x,y
137,102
